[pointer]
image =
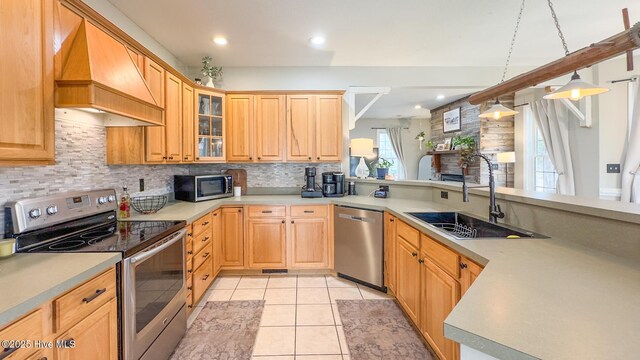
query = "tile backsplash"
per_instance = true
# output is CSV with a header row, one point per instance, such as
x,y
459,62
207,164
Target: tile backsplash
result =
x,y
81,165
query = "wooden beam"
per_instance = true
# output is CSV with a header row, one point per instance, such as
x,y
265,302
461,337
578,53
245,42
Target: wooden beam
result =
x,y
625,20
585,57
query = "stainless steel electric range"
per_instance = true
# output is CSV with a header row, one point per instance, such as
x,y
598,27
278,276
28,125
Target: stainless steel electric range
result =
x,y
151,276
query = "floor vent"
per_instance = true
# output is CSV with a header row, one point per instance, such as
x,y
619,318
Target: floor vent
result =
x,y
275,271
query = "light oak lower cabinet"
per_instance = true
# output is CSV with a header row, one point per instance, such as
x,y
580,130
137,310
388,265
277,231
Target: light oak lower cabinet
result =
x,y
309,243
440,293
202,278
232,238
390,251
468,274
266,243
408,279
94,337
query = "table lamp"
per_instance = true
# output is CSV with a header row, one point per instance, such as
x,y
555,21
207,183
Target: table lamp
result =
x,y
506,158
362,147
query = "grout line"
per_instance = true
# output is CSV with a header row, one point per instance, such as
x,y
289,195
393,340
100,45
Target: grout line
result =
x,y
295,322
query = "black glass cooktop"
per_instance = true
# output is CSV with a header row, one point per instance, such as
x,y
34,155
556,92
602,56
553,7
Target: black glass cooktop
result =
x,y
127,237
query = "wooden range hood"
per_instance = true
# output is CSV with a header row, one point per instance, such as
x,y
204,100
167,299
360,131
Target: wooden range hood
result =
x,y
100,74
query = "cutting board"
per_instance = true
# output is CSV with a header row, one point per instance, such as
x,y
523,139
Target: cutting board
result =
x,y
239,178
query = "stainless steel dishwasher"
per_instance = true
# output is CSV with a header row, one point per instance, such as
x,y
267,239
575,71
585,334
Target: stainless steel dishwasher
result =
x,y
359,246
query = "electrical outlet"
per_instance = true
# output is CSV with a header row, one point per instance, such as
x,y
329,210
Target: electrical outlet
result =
x,y
141,184
613,168
495,166
444,194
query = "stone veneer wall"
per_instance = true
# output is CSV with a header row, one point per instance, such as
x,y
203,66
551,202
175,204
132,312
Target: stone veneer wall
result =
x,y
81,165
492,136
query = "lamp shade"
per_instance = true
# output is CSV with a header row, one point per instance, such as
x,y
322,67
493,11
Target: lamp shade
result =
x,y
497,110
576,89
506,157
361,147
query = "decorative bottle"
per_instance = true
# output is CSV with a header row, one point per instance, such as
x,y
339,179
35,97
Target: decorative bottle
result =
x,y
125,204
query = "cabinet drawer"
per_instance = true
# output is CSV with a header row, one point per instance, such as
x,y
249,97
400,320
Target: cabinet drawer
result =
x,y
201,241
267,211
309,210
83,300
202,277
202,256
409,234
201,225
28,328
442,256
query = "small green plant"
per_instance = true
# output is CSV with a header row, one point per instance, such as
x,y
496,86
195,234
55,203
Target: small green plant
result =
x,y
383,164
420,136
466,142
214,72
431,145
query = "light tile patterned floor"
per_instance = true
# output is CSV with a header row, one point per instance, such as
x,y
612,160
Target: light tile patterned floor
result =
x,y
300,319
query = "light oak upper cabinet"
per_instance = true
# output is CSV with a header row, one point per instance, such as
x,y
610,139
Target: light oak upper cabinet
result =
x,y
240,125
300,127
94,337
26,105
232,238
269,127
154,136
210,126
173,118
328,127
188,112
154,76
440,293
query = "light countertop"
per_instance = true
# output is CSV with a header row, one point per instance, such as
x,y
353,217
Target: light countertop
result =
x,y
29,280
536,298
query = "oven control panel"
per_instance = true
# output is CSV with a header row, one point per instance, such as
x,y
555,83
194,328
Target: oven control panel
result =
x,y
35,213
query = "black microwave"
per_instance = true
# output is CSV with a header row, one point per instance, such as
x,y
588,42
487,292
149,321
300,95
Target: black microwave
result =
x,y
202,187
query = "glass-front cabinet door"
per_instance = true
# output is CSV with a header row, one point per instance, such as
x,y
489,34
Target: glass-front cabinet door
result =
x,y
210,127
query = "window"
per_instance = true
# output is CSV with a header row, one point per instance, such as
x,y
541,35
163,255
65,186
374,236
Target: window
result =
x,y
385,150
545,175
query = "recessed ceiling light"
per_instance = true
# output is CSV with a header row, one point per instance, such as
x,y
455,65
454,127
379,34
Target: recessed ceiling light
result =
x,y
219,40
418,107
440,97
317,40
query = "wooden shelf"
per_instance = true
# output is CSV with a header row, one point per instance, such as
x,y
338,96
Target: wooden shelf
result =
x,y
444,152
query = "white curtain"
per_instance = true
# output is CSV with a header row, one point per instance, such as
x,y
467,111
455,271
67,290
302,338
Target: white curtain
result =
x,y
631,165
395,136
552,118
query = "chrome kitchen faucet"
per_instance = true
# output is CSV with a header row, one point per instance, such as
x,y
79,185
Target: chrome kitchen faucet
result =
x,y
495,212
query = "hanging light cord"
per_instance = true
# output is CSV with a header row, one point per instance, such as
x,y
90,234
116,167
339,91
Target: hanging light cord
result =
x,y
560,34
513,41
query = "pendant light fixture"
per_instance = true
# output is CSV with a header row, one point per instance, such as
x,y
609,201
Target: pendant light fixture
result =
x,y
576,88
497,110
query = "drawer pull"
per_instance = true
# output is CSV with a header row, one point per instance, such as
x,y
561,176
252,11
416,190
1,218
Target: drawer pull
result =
x,y
190,271
414,254
8,351
309,211
204,278
94,296
206,255
267,211
189,287
190,252
463,266
189,234
205,223
206,238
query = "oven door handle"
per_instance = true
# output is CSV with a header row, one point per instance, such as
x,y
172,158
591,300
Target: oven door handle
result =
x,y
164,243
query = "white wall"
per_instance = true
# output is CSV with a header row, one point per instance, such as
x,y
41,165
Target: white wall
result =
x,y
412,151
106,9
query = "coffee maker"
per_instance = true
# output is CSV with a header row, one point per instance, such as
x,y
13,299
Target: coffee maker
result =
x,y
310,190
333,184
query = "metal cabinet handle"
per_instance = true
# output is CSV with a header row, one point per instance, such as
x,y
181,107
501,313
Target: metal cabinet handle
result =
x,y
190,306
8,351
190,271
318,158
186,158
421,261
206,238
309,157
94,296
190,252
189,234
283,221
309,211
215,214
293,222
206,255
267,211
197,158
239,210
170,157
205,277
463,266
205,223
414,254
250,157
258,157
189,287
391,220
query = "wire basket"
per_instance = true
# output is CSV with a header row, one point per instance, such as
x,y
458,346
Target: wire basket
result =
x,y
148,204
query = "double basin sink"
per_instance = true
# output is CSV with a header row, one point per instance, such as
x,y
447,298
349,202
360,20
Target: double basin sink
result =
x,y
462,226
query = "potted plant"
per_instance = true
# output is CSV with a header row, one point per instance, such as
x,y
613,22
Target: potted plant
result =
x,y
382,168
463,142
431,146
213,73
420,137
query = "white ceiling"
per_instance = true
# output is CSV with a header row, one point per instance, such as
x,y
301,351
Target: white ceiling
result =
x,y
372,32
